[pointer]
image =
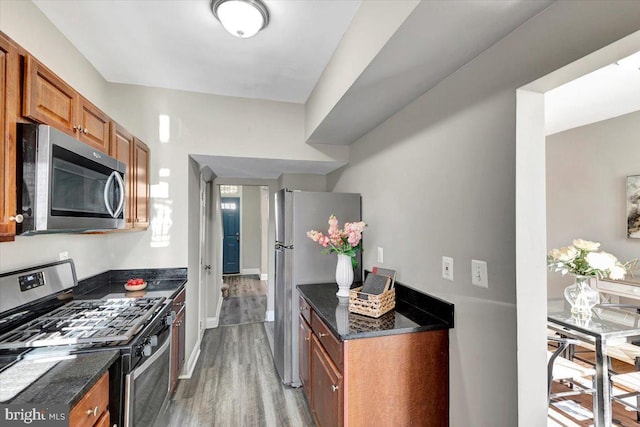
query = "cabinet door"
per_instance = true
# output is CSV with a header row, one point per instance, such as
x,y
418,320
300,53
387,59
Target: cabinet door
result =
x,y
141,192
326,383
121,148
177,348
47,98
93,125
9,101
304,342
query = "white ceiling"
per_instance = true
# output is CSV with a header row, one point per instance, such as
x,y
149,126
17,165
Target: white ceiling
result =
x,y
436,39
609,92
180,45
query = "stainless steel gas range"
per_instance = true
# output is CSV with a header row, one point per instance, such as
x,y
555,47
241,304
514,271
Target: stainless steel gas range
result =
x,y
37,314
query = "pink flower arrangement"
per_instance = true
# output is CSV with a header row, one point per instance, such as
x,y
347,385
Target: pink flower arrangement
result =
x,y
347,241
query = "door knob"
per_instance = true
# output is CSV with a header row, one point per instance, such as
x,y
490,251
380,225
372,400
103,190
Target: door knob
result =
x,y
207,267
18,218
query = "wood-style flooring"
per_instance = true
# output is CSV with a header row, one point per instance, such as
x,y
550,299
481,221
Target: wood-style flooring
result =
x,y
621,416
235,384
247,300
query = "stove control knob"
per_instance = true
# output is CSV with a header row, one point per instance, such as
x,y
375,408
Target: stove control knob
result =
x,y
147,350
154,340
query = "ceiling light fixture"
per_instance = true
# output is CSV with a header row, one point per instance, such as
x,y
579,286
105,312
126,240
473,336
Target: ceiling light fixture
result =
x,y
242,18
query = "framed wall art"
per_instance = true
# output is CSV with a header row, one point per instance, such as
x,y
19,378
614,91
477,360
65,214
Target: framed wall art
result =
x,y
633,206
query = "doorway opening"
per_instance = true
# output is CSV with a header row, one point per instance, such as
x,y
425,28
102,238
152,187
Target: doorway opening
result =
x,y
245,223
531,225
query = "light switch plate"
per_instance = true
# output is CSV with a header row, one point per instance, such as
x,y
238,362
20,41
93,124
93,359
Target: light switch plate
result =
x,y
479,273
447,268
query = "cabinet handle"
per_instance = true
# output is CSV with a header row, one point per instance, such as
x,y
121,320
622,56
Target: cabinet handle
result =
x,y
18,218
85,130
306,338
94,411
334,388
322,335
78,128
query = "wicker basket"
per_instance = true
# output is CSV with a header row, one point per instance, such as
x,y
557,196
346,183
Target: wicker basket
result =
x,y
375,305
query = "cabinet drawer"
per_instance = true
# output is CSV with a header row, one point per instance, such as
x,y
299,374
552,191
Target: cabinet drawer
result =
x,y
305,310
331,344
179,300
104,420
91,407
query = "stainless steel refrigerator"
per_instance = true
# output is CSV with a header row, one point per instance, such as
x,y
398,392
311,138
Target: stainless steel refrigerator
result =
x,y
299,261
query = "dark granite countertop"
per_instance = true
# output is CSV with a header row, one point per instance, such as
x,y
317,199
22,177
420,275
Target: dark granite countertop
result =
x,y
163,282
68,380
414,312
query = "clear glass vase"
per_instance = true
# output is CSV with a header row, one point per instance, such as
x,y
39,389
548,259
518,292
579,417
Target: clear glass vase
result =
x,y
582,297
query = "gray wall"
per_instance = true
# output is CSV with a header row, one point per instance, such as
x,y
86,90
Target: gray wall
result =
x,y
251,235
303,181
448,188
586,178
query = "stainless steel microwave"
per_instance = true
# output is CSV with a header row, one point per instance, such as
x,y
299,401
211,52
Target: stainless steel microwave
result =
x,y
66,186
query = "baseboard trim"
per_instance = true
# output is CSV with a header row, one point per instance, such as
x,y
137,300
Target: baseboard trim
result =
x,y
190,366
269,316
264,276
213,322
250,271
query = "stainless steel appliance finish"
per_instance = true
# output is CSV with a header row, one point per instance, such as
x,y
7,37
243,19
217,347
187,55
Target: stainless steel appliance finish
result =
x,y
299,261
85,322
65,185
147,386
45,316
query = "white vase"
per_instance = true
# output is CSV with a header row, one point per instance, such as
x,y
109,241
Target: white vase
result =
x,y
344,275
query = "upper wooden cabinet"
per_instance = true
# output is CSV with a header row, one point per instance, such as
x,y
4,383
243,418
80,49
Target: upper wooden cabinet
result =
x,y
49,100
121,148
93,125
9,102
135,154
141,182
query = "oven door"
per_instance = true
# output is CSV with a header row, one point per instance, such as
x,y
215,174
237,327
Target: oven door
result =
x,y
147,388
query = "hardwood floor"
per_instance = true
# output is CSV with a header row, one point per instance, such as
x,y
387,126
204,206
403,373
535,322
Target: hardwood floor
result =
x,y
247,300
235,384
621,416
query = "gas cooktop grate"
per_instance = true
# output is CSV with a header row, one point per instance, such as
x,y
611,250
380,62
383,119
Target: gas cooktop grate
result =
x,y
85,322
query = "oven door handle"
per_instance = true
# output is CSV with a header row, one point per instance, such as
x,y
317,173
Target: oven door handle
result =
x,y
130,379
147,363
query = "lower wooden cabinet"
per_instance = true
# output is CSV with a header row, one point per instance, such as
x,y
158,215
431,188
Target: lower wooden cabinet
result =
x,y
93,408
304,342
177,339
393,380
326,382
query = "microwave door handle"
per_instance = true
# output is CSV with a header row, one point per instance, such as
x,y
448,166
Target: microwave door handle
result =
x,y
107,187
121,186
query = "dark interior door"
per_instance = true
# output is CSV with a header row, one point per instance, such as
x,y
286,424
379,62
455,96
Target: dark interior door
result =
x,y
231,229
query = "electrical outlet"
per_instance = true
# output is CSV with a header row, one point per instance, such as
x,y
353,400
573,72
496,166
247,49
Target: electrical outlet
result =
x,y
447,268
479,273
380,255
63,255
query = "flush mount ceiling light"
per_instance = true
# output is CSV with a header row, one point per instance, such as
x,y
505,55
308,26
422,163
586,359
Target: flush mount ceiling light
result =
x,y
242,18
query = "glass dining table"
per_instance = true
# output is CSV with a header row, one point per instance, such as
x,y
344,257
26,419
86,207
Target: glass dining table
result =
x,y
609,325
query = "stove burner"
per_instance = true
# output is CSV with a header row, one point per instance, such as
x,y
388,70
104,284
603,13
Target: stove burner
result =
x,y
85,322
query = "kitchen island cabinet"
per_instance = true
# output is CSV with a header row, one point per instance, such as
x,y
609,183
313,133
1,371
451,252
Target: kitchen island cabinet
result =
x,y
361,371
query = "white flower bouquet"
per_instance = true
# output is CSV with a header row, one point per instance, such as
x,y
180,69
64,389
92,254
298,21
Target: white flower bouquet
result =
x,y
582,259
